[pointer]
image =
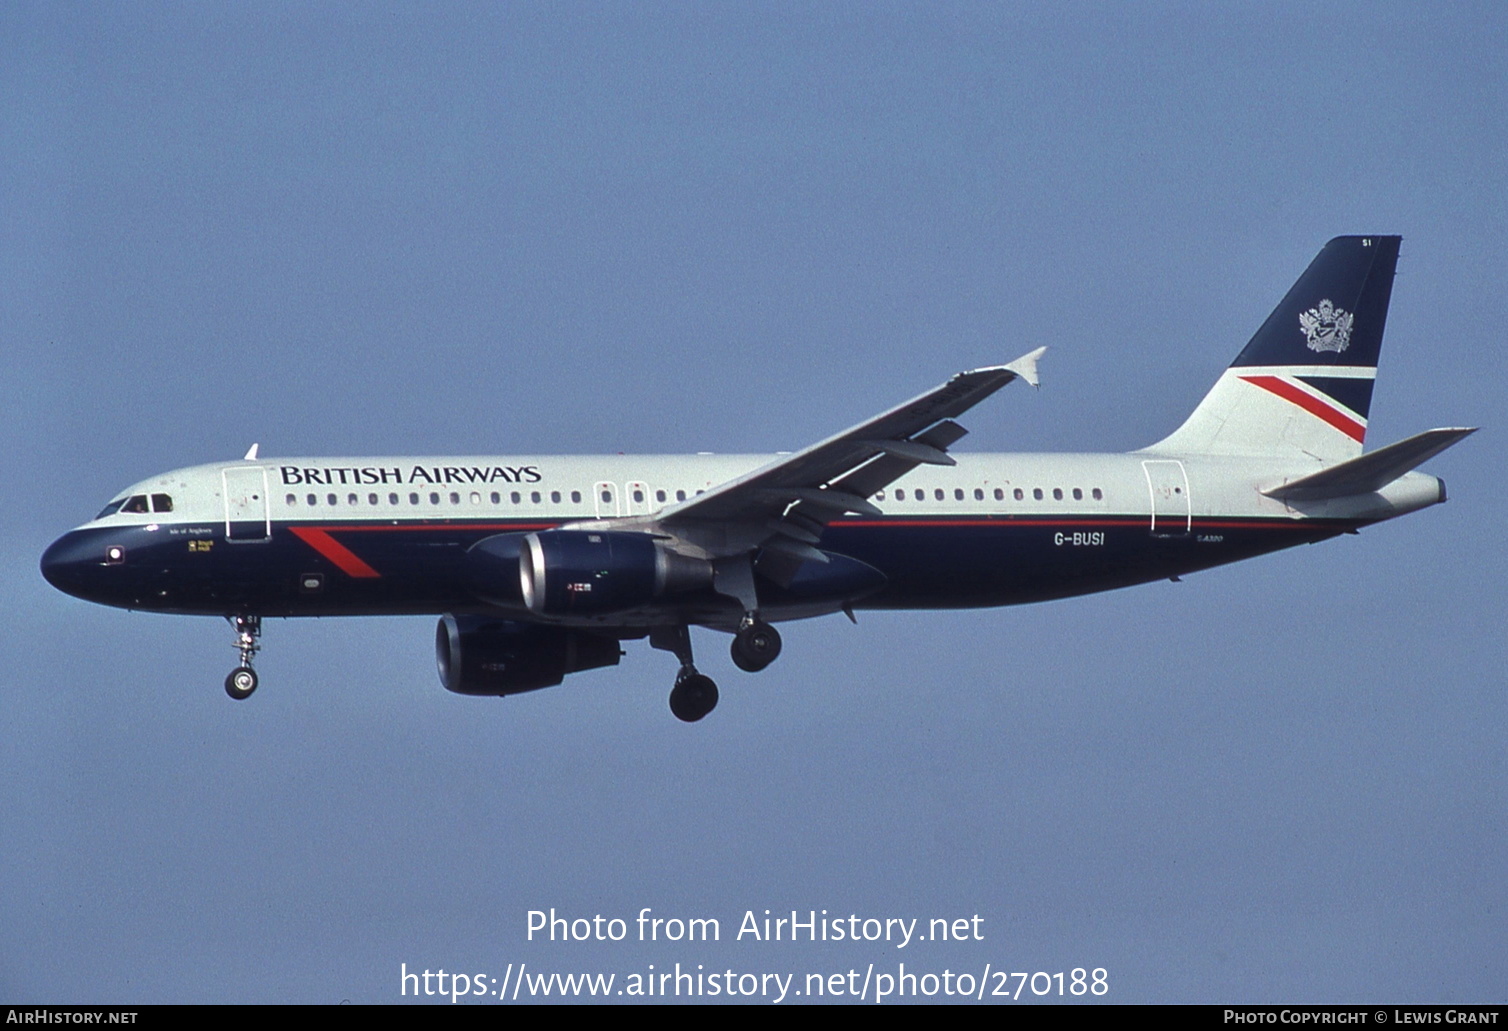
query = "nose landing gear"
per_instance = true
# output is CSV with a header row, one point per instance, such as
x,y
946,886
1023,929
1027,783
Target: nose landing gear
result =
x,y
243,679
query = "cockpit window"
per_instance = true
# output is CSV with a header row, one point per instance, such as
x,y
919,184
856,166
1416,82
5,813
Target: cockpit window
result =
x,y
138,504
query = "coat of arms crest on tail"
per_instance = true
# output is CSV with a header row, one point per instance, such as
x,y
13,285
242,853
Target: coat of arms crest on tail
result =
x,y
1327,328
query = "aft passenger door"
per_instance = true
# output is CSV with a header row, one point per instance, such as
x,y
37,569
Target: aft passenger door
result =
x,y
247,519
1172,512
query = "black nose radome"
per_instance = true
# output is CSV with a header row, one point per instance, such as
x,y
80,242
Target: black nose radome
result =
x,y
78,564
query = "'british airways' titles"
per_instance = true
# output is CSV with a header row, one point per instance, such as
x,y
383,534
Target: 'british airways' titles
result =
x,y
329,476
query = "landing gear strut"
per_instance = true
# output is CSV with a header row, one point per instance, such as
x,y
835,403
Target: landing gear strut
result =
x,y
694,694
243,679
755,646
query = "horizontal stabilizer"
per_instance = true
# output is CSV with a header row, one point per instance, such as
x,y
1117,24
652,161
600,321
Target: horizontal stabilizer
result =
x,y
1372,471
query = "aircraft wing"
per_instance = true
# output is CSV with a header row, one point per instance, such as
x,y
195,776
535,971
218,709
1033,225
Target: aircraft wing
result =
x,y
793,498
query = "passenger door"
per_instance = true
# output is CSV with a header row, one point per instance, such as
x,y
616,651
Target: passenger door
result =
x,y
1172,512
247,518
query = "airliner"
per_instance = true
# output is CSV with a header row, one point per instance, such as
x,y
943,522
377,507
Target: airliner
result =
x,y
540,566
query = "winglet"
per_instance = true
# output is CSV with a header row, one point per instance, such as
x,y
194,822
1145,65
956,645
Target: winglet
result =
x,y
1026,366
251,453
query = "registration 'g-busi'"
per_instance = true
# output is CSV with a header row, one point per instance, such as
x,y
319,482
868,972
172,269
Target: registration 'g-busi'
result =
x,y
540,566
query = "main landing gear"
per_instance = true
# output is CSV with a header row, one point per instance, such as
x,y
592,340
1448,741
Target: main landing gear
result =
x,y
755,646
694,694
243,679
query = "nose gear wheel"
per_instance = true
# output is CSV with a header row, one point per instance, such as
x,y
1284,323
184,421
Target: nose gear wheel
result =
x,y
242,680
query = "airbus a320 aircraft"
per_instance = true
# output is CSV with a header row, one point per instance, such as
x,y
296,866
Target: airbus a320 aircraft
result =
x,y
542,566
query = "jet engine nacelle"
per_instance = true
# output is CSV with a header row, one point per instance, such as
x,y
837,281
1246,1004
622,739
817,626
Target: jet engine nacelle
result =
x,y
484,655
583,572
492,570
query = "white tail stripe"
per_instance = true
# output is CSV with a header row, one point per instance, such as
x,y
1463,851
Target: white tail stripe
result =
x,y
1330,371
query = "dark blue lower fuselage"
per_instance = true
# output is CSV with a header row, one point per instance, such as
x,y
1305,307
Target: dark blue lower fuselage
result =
x,y
422,567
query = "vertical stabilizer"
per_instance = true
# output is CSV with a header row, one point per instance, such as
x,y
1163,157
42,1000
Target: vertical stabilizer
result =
x,y
1303,385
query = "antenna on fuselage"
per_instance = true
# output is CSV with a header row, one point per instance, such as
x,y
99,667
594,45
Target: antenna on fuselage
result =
x,y
251,453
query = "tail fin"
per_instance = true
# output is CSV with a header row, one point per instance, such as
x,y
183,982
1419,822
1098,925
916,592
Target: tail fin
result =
x,y
1303,385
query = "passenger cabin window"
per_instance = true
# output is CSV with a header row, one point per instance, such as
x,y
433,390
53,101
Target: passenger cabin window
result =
x,y
575,497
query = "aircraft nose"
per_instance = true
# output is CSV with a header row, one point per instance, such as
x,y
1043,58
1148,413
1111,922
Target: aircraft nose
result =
x,y
57,563
72,562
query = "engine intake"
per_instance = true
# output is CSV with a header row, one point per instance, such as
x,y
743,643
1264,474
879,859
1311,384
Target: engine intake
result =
x,y
483,655
581,572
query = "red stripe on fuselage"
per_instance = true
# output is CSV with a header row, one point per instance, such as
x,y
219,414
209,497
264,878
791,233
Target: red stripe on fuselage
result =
x,y
1132,522
1311,404
346,560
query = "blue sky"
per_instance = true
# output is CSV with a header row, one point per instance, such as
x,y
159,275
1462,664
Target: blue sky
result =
x,y
535,228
